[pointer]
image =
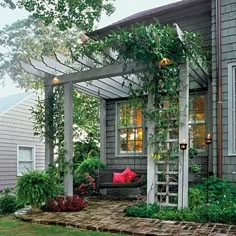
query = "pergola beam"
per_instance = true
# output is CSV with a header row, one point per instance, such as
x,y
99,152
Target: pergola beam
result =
x,y
100,73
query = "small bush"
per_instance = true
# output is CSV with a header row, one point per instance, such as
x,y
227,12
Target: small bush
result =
x,y
8,204
35,187
142,209
60,204
85,185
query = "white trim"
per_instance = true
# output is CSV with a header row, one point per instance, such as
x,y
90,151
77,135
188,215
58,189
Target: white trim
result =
x,y
33,157
231,108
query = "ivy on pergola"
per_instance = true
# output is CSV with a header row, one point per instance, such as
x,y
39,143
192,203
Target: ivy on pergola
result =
x,y
158,84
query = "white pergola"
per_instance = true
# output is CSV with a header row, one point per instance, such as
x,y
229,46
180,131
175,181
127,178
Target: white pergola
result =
x,y
90,75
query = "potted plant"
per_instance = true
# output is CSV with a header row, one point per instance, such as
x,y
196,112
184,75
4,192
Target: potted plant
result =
x,y
35,188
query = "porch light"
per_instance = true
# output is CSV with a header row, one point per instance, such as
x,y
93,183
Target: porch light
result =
x,y
165,61
208,139
55,80
183,145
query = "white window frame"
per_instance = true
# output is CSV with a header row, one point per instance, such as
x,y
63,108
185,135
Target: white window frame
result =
x,y
117,142
231,108
18,156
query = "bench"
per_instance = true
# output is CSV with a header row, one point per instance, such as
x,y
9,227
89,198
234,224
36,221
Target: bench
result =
x,y
104,180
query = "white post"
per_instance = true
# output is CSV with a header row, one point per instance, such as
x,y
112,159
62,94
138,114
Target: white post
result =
x,y
183,134
48,140
103,130
151,184
68,136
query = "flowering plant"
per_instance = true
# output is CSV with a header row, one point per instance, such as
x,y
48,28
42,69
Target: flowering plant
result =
x,y
74,203
85,186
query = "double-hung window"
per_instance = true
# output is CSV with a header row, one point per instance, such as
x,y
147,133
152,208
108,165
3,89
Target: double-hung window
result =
x,y
130,135
232,108
25,159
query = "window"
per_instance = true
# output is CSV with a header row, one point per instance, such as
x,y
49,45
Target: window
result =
x,y
197,122
232,108
129,129
25,159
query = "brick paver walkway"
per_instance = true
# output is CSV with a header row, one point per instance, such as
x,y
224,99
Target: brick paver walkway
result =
x,y
108,216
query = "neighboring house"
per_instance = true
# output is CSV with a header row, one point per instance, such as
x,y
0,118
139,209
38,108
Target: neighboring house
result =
x,y
19,148
213,103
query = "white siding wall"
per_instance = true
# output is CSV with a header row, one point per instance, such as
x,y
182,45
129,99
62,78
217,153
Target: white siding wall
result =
x,y
16,128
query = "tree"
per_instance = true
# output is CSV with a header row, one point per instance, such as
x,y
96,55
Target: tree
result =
x,y
65,13
30,38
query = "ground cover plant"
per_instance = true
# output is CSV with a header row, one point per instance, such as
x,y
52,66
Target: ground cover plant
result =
x,y
213,200
10,226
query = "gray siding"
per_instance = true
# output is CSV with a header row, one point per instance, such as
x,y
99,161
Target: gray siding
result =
x,y
16,128
228,24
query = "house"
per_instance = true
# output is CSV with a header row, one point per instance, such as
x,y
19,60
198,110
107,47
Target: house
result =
x,y
212,96
19,148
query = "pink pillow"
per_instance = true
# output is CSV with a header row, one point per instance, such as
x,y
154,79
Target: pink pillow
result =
x,y
119,177
130,175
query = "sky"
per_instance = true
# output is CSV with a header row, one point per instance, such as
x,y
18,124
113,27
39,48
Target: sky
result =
x,y
124,8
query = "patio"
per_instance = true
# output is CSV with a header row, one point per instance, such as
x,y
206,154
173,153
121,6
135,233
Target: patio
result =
x,y
107,215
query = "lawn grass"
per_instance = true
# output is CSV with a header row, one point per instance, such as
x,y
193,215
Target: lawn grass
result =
x,y
10,226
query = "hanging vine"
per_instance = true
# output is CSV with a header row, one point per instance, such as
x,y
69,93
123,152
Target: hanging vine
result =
x,y
159,48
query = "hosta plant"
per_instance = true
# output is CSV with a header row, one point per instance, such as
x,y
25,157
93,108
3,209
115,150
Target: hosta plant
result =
x,y
35,188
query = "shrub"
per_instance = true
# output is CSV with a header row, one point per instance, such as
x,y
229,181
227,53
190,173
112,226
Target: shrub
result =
x,y
35,188
74,203
142,209
8,204
85,185
90,164
206,213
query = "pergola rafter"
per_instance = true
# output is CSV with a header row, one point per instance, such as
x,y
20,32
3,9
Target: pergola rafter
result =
x,y
111,81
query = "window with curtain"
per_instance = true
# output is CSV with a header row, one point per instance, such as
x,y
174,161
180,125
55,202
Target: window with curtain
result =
x,y
129,129
25,159
197,122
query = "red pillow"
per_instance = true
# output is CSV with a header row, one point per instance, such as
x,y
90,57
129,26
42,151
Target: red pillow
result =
x,y
119,177
130,175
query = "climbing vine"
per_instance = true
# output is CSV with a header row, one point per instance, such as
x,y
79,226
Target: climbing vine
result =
x,y
159,48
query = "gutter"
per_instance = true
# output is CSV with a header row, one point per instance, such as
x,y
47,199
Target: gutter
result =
x,y
219,87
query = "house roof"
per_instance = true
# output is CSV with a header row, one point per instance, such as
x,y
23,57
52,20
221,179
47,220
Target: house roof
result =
x,y
6,103
180,8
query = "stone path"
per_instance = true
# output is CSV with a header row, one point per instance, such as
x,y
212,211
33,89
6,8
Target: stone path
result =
x,y
108,216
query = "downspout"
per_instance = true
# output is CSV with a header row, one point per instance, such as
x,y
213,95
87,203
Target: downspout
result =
x,y
219,88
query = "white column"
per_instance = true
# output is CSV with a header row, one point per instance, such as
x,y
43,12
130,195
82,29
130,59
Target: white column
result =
x,y
68,136
103,130
48,141
183,134
151,185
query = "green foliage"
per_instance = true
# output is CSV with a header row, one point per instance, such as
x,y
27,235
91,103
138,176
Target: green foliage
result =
x,y
30,38
8,202
35,187
90,164
81,150
142,209
196,197
219,190
64,13
220,208
206,213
